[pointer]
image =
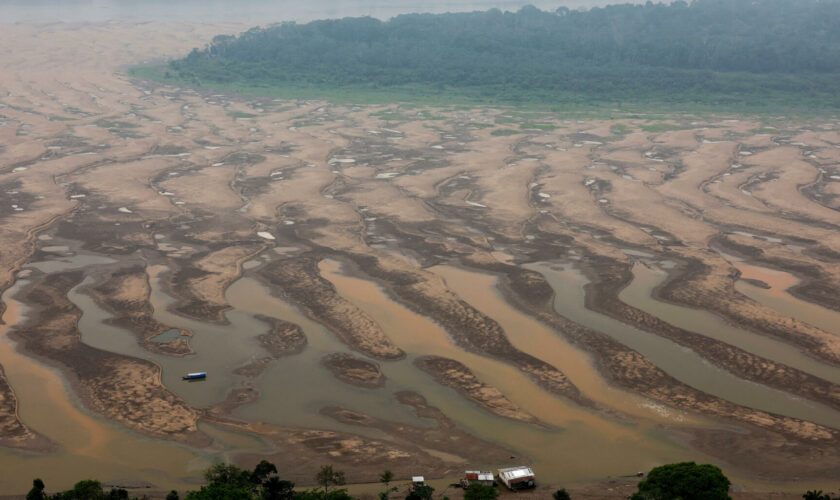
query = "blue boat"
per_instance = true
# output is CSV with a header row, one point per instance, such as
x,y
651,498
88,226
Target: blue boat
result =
x,y
195,376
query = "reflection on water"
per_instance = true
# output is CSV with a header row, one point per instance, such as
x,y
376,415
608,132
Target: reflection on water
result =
x,y
679,362
638,294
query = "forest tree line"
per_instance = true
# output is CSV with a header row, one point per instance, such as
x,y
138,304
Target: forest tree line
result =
x,y
738,48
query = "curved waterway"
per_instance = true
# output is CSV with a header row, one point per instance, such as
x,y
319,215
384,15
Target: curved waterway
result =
x,y
88,445
533,337
293,388
578,444
581,445
679,362
777,297
647,278
219,348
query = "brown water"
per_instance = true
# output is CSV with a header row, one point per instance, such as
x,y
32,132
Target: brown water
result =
x,y
580,445
585,445
534,338
294,388
638,294
219,348
679,362
777,297
89,445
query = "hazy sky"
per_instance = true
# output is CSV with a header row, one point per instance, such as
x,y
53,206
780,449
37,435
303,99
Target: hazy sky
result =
x,y
257,11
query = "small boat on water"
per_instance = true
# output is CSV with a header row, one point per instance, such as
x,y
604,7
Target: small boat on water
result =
x,y
195,376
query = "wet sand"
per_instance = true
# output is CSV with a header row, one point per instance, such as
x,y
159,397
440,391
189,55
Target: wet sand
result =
x,y
87,443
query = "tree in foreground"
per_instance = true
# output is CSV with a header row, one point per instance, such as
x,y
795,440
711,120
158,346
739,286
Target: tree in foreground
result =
x,y
37,491
684,481
478,491
275,488
317,494
327,477
810,495
424,492
385,478
229,482
561,494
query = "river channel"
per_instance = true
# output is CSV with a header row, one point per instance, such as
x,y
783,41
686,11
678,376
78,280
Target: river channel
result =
x,y
578,444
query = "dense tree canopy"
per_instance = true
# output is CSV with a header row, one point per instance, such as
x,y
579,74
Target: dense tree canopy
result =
x,y
720,46
684,481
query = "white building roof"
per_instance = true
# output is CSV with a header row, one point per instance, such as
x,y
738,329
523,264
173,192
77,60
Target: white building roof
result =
x,y
516,472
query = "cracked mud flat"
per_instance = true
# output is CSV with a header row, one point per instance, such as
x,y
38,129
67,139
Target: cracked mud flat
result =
x,y
330,228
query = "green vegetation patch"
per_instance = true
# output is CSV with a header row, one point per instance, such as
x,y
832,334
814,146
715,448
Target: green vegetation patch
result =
x,y
428,115
505,131
662,127
686,480
741,56
114,124
241,114
620,129
538,126
391,115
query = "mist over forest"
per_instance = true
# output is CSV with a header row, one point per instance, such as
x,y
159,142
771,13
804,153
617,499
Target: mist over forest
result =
x,y
587,248
738,52
256,11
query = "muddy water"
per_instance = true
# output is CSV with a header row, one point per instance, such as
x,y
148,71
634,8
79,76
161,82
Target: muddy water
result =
x,y
89,446
679,362
69,262
777,297
638,294
294,388
219,348
583,444
534,338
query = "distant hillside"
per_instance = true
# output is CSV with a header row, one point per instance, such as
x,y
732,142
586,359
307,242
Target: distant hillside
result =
x,y
710,51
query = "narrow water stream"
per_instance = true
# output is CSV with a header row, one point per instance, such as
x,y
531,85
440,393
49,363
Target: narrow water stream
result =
x,y
679,362
294,388
580,444
538,340
586,445
638,294
89,445
776,297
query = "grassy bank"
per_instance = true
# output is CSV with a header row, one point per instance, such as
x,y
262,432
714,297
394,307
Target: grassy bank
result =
x,y
770,104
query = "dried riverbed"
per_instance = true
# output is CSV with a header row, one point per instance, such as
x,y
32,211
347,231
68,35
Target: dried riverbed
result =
x,y
382,286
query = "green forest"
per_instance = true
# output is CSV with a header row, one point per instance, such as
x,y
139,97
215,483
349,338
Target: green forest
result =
x,y
758,54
